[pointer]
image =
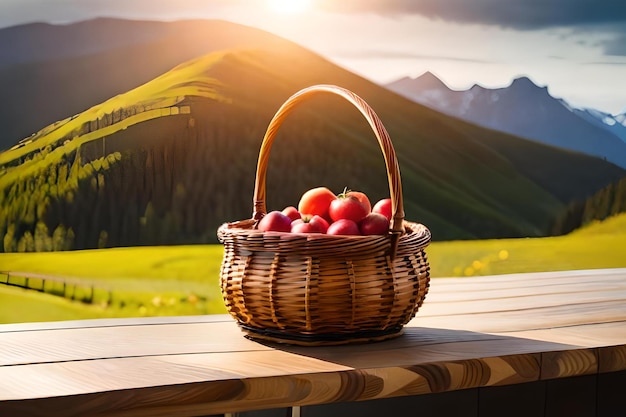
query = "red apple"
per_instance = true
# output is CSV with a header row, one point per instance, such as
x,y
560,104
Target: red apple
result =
x,y
319,223
316,201
374,224
292,213
348,207
362,197
309,224
383,207
343,227
302,227
275,221
298,226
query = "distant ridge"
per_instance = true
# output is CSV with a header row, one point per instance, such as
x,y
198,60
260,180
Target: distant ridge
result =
x,y
50,72
523,109
614,124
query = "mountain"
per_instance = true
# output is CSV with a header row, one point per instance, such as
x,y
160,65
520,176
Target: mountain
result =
x,y
525,110
50,72
614,124
168,161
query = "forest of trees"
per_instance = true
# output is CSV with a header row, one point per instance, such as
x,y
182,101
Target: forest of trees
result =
x,y
609,201
169,182
176,179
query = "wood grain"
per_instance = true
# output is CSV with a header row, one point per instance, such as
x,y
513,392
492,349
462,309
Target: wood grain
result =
x,y
612,358
467,338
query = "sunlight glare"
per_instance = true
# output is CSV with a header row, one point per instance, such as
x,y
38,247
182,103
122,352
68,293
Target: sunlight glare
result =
x,y
289,6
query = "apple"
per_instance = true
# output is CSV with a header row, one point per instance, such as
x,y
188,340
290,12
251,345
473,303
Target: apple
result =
x,y
348,207
319,223
309,224
298,226
362,197
292,213
316,201
275,221
343,227
383,207
374,224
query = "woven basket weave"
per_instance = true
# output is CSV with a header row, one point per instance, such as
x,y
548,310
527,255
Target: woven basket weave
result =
x,y
317,289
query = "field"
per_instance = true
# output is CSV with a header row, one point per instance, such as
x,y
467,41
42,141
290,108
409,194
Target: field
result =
x,y
183,280
126,282
599,245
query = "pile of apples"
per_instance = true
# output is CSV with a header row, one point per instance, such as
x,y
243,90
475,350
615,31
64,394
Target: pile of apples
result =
x,y
321,211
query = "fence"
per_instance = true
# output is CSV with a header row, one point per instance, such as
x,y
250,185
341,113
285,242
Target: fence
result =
x,y
71,288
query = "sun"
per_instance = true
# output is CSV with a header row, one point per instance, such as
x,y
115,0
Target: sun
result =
x,y
289,6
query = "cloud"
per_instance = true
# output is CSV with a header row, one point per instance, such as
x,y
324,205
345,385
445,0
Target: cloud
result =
x,y
391,54
516,14
616,46
582,16
605,63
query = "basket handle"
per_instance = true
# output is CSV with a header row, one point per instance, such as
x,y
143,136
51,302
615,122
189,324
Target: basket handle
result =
x,y
391,162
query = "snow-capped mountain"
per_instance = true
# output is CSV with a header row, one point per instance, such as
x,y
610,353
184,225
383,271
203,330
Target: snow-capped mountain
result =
x,y
614,124
524,109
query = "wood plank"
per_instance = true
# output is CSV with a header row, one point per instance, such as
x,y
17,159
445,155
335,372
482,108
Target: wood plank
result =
x,y
562,364
111,322
82,377
584,335
250,393
146,340
122,341
612,358
204,338
514,280
533,329
457,365
463,289
529,319
516,302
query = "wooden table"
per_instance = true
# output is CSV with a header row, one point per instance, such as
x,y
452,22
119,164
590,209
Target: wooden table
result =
x,y
547,344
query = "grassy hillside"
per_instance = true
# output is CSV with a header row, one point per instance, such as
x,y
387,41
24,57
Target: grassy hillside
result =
x,y
126,282
177,280
170,161
164,92
598,245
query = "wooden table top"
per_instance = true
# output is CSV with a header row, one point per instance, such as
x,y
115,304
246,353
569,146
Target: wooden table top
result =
x,y
471,332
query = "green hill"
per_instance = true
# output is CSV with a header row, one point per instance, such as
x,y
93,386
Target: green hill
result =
x,y
168,162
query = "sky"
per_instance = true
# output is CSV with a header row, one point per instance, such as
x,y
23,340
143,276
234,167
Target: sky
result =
x,y
577,48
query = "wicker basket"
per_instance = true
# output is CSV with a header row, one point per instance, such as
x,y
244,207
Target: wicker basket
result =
x,y
316,289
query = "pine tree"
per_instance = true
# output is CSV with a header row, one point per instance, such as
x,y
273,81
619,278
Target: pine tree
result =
x,y
10,245
42,240
58,238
